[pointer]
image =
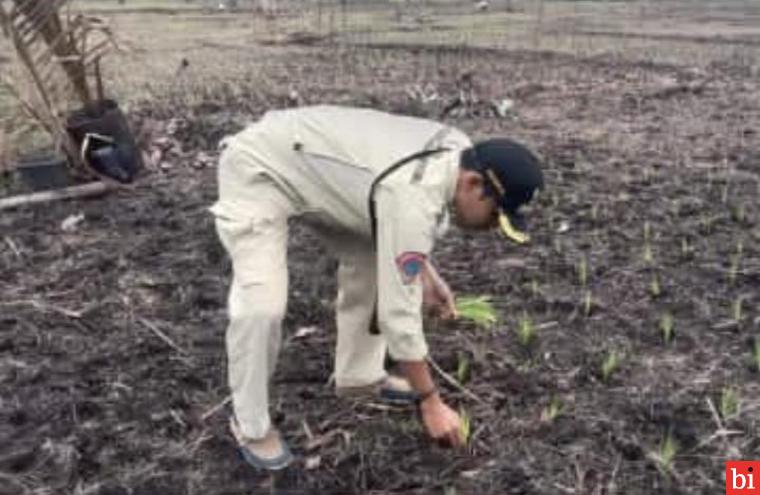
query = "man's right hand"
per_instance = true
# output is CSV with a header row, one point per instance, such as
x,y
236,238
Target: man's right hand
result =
x,y
441,422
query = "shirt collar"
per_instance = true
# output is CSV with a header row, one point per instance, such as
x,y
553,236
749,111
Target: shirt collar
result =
x,y
453,171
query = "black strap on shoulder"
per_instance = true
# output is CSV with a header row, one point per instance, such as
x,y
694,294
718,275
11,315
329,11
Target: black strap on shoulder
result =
x,y
385,173
374,327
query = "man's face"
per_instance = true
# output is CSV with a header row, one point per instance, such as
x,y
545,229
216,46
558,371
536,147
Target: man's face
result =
x,y
473,209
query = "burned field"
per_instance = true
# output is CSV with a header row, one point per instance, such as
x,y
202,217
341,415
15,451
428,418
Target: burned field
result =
x,y
626,359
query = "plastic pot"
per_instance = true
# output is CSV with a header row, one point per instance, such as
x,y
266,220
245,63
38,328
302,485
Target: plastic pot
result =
x,y
40,172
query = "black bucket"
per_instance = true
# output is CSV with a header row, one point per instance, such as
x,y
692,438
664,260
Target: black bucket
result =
x,y
112,150
42,171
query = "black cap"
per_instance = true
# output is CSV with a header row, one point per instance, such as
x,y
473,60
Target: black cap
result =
x,y
512,174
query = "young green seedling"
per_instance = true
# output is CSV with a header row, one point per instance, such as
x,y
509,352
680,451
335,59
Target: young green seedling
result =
x,y
534,289
557,245
526,331
675,208
707,223
667,453
466,425
733,271
477,309
610,365
685,247
648,254
738,213
738,311
582,269
588,302
654,286
463,368
552,410
667,326
729,402
756,353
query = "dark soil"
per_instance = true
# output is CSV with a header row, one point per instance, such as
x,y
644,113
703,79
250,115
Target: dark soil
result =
x,y
93,401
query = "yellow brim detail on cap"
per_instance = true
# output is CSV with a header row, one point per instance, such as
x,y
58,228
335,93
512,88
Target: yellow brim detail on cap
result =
x,y
510,232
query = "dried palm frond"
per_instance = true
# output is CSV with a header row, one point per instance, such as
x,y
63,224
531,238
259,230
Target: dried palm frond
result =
x,y
59,56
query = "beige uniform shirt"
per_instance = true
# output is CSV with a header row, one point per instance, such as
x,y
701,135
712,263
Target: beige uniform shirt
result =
x,y
325,159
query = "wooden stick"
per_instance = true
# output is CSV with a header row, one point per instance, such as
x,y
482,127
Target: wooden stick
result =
x,y
454,382
81,191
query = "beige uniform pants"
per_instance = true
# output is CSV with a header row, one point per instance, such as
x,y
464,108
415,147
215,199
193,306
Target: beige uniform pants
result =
x,y
257,245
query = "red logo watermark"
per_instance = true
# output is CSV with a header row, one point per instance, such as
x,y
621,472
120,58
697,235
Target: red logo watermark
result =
x,y
742,477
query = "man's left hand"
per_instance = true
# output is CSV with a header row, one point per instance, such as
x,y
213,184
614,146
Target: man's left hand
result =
x,y
436,293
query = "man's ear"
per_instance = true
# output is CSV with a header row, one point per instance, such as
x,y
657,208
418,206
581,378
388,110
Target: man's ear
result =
x,y
473,180
476,183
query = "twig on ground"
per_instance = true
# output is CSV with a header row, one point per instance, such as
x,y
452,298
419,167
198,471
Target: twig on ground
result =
x,y
161,335
453,382
198,442
215,409
90,189
547,325
13,247
41,306
715,414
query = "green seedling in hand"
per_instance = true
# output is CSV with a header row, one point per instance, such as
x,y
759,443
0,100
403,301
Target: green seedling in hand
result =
x,y
477,309
466,425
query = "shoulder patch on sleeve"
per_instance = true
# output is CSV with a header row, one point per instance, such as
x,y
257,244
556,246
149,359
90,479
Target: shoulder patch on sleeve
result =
x,y
410,264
